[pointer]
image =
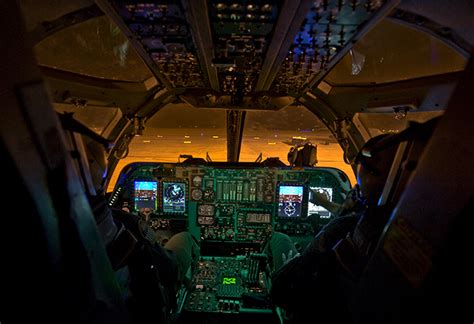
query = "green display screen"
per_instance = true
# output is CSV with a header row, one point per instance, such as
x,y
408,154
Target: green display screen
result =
x,y
229,280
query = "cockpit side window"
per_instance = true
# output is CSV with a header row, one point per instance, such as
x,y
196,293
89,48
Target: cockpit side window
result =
x,y
95,48
373,124
394,52
101,120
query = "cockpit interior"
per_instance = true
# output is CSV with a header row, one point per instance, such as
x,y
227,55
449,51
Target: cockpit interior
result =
x,y
230,121
232,210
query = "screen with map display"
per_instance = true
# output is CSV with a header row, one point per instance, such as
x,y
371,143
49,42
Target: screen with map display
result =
x,y
174,197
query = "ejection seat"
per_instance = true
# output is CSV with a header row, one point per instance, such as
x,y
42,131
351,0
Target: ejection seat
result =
x,y
354,251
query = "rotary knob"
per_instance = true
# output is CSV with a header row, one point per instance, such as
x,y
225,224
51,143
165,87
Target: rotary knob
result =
x,y
196,194
197,181
208,194
229,233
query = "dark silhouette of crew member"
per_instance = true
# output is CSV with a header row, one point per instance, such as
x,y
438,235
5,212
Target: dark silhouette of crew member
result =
x,y
306,284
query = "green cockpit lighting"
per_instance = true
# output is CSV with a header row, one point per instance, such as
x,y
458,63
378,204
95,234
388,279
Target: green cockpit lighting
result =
x,y
229,280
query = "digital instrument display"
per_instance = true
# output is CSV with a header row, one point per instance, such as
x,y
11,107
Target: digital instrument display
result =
x,y
145,195
174,197
313,208
258,218
290,200
229,280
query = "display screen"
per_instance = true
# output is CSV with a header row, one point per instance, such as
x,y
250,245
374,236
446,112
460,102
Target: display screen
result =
x,y
258,218
174,197
145,195
229,280
313,209
290,201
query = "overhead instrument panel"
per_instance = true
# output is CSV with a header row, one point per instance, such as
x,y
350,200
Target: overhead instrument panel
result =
x,y
241,33
328,27
162,29
247,54
231,209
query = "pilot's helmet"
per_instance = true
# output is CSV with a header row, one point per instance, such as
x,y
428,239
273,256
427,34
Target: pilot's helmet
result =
x,y
97,159
374,161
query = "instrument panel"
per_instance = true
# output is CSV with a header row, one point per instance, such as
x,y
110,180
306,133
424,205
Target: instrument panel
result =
x,y
228,285
228,203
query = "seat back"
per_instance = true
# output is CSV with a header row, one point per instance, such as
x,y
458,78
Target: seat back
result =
x,y
354,252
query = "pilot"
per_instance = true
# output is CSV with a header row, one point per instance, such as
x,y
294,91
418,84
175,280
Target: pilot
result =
x,y
372,173
154,272
314,273
281,249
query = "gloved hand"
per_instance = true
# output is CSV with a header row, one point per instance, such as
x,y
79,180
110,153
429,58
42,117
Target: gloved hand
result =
x,y
289,256
318,198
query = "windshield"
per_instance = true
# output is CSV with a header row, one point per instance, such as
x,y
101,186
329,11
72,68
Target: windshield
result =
x,y
273,133
180,129
175,130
